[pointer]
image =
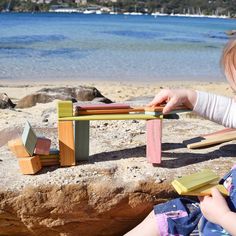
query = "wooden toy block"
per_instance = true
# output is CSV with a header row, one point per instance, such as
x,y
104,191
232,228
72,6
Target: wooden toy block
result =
x,y
29,138
81,140
198,184
18,148
194,181
89,107
64,109
110,117
50,160
42,146
29,165
215,139
223,131
154,133
66,143
161,107
111,111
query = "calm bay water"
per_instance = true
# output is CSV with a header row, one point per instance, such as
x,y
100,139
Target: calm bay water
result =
x,y
110,47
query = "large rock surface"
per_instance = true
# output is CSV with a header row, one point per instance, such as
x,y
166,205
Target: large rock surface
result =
x,y
110,193
45,95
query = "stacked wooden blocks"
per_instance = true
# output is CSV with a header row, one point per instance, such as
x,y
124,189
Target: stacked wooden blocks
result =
x,y
32,151
73,128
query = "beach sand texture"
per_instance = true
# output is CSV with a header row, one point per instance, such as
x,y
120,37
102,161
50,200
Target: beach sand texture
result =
x,y
116,188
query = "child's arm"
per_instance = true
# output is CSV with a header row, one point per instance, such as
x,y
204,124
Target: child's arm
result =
x,y
215,209
217,108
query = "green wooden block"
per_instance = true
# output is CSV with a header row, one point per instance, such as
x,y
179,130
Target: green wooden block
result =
x,y
64,109
81,132
29,138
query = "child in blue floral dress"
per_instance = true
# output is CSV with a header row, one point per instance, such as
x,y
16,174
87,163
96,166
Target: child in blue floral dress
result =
x,y
213,215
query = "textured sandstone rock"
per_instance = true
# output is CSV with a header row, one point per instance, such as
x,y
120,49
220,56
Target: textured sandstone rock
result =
x,y
45,95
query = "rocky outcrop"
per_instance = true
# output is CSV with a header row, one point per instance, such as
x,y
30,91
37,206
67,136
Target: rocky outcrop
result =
x,y
45,95
5,101
96,209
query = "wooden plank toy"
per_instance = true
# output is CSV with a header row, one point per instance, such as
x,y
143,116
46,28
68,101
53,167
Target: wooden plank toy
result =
x,y
66,134
213,140
198,184
50,160
29,138
18,148
153,136
42,146
111,111
81,131
112,106
29,165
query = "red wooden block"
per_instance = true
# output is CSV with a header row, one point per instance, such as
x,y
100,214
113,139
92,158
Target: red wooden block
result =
x,y
154,134
42,146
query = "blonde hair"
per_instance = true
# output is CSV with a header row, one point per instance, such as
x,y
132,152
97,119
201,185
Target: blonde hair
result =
x,y
228,62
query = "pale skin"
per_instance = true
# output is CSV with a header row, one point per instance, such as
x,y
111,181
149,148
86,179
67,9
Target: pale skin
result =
x,y
214,207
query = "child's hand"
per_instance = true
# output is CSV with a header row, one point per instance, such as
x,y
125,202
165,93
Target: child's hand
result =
x,y
214,207
174,98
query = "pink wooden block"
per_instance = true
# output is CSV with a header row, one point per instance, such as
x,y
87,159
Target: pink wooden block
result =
x,y
102,106
154,133
42,146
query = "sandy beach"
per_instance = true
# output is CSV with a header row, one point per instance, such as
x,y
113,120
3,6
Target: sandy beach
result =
x,y
118,180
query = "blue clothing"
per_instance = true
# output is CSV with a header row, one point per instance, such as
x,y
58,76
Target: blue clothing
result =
x,y
183,217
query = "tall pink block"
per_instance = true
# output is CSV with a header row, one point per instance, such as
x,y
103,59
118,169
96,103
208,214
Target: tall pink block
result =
x,y
154,134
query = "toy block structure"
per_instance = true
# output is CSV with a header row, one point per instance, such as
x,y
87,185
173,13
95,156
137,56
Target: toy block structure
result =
x,y
52,159
29,165
73,128
32,151
214,138
42,146
29,138
18,148
198,184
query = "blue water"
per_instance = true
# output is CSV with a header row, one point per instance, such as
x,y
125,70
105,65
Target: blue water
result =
x,y
110,47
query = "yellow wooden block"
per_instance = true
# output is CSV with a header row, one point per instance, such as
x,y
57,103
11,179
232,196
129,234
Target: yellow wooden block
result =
x,y
190,182
112,117
29,165
206,190
64,109
18,148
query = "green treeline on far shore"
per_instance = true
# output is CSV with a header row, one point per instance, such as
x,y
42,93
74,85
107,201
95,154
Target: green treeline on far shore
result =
x,y
206,7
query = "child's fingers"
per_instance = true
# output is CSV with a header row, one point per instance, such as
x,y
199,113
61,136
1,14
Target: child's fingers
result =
x,y
170,105
160,98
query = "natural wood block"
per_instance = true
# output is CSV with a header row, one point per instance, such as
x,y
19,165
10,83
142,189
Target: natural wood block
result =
x,y
64,109
154,134
42,146
29,138
215,139
66,143
18,148
81,140
29,165
223,131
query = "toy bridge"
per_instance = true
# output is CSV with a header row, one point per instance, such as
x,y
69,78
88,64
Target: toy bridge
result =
x,y
73,127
